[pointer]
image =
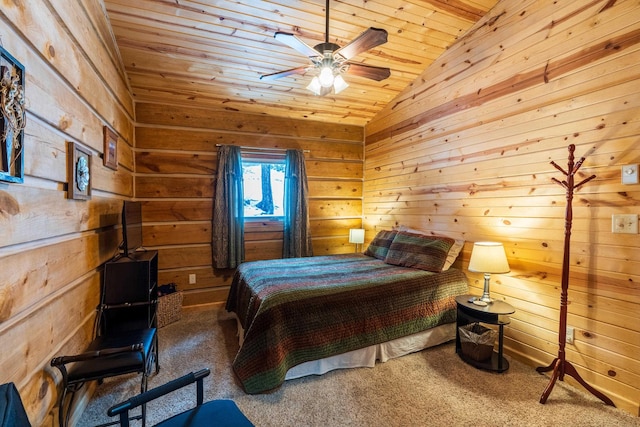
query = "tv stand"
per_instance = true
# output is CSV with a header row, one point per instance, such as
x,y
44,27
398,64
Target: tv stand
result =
x,y
131,289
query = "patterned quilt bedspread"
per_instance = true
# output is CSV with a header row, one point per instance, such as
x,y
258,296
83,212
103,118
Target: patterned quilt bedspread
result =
x,y
300,309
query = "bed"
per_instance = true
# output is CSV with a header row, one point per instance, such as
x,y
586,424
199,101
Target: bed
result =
x,y
302,316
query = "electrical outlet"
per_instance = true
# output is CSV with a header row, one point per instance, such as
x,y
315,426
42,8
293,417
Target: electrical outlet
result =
x,y
624,223
630,174
570,334
192,279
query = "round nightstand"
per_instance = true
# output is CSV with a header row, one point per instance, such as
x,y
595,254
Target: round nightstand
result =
x,y
494,313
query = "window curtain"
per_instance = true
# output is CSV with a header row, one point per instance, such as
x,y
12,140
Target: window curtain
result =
x,y
228,210
297,237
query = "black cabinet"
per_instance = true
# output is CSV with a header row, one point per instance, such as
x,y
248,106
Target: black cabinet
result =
x,y
130,292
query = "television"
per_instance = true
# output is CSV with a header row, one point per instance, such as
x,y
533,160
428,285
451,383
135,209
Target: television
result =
x,y
131,226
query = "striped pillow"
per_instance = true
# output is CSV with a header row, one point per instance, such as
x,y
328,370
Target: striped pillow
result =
x,y
379,246
453,252
419,251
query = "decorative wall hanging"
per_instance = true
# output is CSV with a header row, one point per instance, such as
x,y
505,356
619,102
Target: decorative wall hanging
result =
x,y
12,118
560,365
110,151
79,172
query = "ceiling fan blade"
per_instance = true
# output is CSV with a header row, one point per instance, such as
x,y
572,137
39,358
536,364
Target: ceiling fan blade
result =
x,y
285,73
370,38
369,71
297,44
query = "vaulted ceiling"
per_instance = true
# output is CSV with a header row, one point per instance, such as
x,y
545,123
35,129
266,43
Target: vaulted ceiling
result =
x,y
211,53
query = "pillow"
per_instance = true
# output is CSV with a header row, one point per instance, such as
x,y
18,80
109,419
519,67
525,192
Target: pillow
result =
x,y
419,251
453,253
379,246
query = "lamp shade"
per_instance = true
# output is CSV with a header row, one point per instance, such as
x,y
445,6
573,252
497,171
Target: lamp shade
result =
x,y
356,235
326,77
314,86
339,84
488,257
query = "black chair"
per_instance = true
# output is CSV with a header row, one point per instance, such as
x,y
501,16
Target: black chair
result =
x,y
106,357
219,413
12,413
126,341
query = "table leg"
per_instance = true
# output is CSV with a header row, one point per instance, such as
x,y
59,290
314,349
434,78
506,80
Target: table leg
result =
x,y
500,342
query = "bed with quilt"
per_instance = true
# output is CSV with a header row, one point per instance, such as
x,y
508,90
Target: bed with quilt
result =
x,y
302,316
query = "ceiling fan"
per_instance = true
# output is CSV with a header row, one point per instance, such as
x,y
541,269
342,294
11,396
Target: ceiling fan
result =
x,y
329,61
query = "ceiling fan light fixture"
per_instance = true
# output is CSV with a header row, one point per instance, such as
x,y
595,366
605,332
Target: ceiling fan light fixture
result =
x,y
339,84
329,60
315,86
326,76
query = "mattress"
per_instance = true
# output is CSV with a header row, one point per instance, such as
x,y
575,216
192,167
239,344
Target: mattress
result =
x,y
368,357
302,310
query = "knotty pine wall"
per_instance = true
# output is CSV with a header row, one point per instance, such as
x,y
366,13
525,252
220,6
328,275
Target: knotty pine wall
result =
x,y
466,151
51,248
176,160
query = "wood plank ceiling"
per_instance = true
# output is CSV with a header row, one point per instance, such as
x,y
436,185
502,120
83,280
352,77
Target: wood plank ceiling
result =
x,y
211,53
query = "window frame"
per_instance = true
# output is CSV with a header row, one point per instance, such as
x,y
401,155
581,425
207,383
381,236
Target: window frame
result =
x,y
261,158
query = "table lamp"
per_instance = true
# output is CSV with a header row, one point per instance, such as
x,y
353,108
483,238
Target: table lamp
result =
x,y
356,235
487,258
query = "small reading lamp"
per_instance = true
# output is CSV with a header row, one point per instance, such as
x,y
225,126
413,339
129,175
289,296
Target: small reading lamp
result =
x,y
487,258
356,235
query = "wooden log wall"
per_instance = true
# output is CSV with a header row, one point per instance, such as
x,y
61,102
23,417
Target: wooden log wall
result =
x,y
52,248
176,160
466,151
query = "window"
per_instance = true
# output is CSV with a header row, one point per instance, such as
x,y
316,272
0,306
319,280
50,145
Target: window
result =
x,y
263,188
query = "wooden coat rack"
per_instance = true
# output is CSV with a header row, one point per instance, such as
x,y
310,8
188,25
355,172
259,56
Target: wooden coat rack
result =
x,y
560,365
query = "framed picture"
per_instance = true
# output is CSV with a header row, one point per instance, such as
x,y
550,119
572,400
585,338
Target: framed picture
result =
x,y
110,152
79,172
12,119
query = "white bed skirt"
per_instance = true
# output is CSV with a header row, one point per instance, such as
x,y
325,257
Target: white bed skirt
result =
x,y
367,357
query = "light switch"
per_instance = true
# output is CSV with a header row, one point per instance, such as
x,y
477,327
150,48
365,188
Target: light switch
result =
x,y
624,223
192,279
630,174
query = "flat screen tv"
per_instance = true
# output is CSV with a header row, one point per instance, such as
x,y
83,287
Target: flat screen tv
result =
x,y
131,226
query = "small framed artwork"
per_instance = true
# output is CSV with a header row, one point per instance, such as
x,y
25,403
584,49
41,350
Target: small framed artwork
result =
x,y
110,156
12,118
79,173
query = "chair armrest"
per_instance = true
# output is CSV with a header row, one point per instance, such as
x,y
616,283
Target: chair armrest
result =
x,y
62,360
162,390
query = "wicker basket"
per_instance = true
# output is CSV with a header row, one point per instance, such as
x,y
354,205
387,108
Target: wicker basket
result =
x,y
169,308
476,341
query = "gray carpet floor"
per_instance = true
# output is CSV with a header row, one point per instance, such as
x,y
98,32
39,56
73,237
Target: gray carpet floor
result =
x,y
428,388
